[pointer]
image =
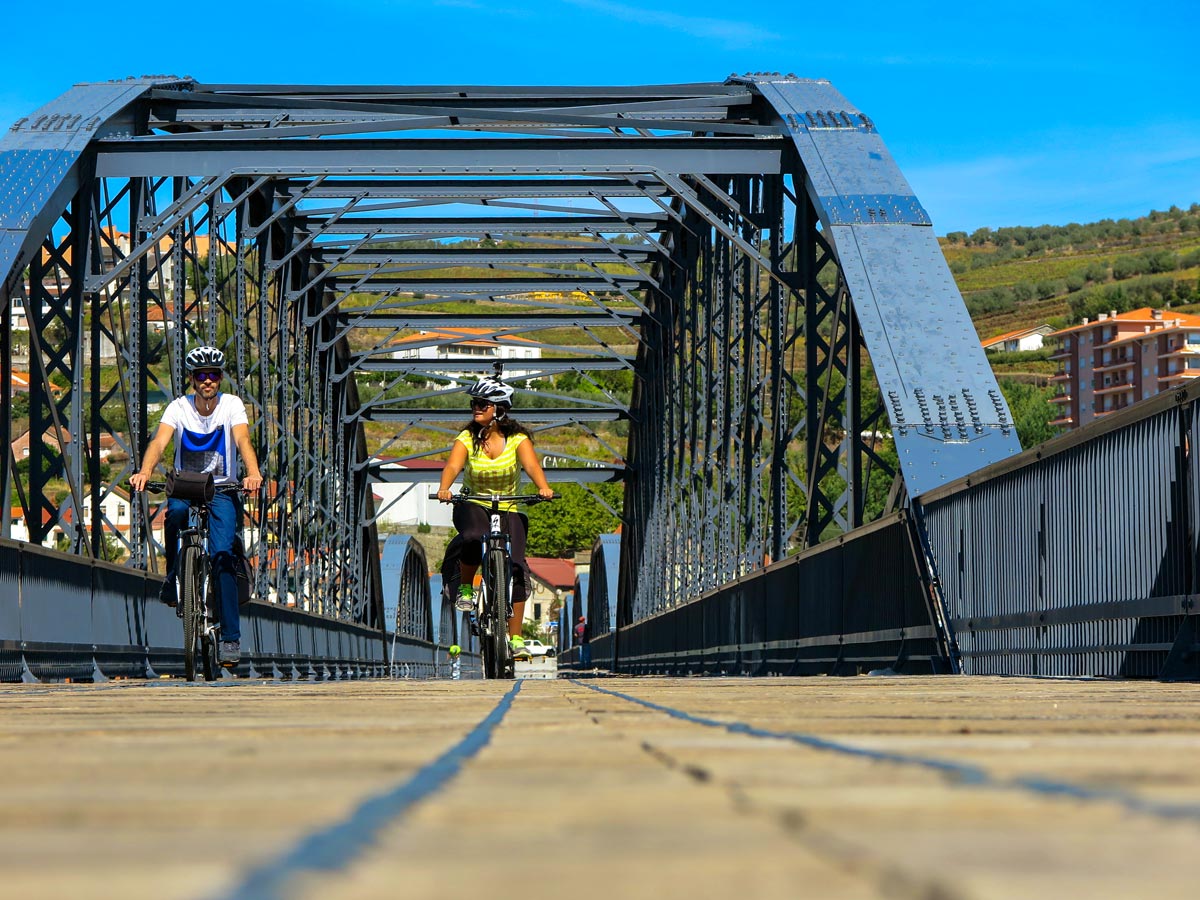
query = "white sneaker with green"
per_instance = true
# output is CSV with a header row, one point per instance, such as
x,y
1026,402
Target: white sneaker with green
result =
x,y
466,598
518,648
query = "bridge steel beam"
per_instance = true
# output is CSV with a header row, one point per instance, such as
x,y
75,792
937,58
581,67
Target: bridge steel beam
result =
x,y
741,262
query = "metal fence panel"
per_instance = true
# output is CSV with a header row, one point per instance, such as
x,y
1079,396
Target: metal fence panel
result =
x,y
1078,558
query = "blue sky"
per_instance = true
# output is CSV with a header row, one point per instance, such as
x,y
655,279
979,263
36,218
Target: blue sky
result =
x,y
997,114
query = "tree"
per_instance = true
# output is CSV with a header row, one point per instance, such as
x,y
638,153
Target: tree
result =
x,y
572,522
1031,410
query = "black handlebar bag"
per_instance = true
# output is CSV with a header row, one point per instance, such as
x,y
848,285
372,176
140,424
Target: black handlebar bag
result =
x,y
195,487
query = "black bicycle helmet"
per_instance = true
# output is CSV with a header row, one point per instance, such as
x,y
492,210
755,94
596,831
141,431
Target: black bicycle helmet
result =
x,y
205,358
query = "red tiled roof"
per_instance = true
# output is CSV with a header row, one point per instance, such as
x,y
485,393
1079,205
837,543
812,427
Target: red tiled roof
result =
x,y
1142,316
1000,338
558,573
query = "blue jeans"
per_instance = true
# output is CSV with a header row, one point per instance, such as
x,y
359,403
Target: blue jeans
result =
x,y
224,520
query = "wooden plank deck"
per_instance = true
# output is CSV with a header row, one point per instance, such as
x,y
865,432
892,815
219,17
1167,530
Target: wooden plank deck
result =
x,y
938,787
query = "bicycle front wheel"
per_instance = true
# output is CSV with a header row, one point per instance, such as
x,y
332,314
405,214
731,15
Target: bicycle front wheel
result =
x,y
189,578
495,574
208,640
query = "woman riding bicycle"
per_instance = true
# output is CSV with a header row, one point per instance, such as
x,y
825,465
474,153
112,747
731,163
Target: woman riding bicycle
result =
x,y
492,449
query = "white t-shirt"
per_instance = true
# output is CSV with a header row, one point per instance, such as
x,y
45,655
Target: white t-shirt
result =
x,y
205,443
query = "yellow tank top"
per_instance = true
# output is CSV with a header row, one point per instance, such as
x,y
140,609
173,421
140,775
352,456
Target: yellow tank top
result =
x,y
484,475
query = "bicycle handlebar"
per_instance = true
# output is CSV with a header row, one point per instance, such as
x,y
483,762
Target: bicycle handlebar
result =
x,y
160,487
527,499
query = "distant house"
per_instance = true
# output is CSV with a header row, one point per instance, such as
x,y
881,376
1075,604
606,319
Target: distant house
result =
x,y
1025,339
553,579
20,447
117,513
405,501
21,383
157,318
468,352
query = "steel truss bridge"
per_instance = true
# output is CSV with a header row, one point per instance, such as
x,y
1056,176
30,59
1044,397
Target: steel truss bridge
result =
x,y
724,295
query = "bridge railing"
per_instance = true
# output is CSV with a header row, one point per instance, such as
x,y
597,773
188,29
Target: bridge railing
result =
x,y
1078,557
67,617
855,604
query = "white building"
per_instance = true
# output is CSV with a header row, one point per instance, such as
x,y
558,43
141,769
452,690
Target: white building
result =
x,y
466,353
406,502
1025,339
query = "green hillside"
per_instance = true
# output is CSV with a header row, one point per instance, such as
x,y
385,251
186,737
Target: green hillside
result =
x,y
1017,277
1022,277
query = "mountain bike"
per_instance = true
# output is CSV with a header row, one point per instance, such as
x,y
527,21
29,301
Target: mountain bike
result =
x,y
197,588
495,604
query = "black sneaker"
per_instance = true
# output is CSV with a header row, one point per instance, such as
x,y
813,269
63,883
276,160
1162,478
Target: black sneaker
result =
x,y
231,652
167,593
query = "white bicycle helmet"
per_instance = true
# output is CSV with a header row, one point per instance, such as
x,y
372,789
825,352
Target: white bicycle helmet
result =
x,y
205,358
493,390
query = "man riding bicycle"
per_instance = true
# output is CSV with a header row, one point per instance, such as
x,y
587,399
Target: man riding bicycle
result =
x,y
210,430
492,448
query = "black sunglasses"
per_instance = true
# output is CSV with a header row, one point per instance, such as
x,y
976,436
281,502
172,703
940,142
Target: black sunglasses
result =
x,y
480,404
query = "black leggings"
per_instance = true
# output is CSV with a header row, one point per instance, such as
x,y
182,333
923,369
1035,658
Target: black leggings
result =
x,y
472,522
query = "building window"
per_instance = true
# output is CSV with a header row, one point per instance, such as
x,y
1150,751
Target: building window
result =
x,y
537,610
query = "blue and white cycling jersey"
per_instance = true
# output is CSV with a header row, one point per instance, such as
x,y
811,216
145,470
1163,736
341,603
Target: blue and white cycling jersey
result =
x,y
205,443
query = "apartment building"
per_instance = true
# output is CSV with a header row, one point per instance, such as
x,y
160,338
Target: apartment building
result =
x,y
1119,359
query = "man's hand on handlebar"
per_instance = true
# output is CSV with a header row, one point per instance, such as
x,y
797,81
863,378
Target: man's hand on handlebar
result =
x,y
251,483
138,481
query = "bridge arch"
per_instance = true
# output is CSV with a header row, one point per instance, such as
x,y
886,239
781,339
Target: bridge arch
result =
x,y
409,607
742,248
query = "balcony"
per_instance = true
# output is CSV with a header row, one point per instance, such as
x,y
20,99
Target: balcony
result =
x,y
1113,388
1181,375
1114,365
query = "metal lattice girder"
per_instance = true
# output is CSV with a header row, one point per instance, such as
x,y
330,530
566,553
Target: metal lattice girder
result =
x,y
741,247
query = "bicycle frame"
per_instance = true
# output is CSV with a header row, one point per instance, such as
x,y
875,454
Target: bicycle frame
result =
x,y
210,622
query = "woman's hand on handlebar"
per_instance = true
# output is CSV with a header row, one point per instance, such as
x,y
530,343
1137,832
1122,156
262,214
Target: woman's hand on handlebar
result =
x,y
546,493
445,495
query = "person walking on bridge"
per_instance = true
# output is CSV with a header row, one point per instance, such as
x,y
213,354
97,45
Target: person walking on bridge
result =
x,y
210,429
492,449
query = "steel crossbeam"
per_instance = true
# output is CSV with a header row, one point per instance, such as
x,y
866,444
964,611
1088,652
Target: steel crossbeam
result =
x,y
708,284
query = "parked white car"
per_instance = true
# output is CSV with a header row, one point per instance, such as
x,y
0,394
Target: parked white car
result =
x,y
537,648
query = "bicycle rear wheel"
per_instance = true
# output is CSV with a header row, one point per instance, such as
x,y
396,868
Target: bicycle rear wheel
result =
x,y
189,579
495,574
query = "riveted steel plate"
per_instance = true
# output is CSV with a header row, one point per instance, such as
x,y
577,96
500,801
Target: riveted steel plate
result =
x,y
39,152
947,413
